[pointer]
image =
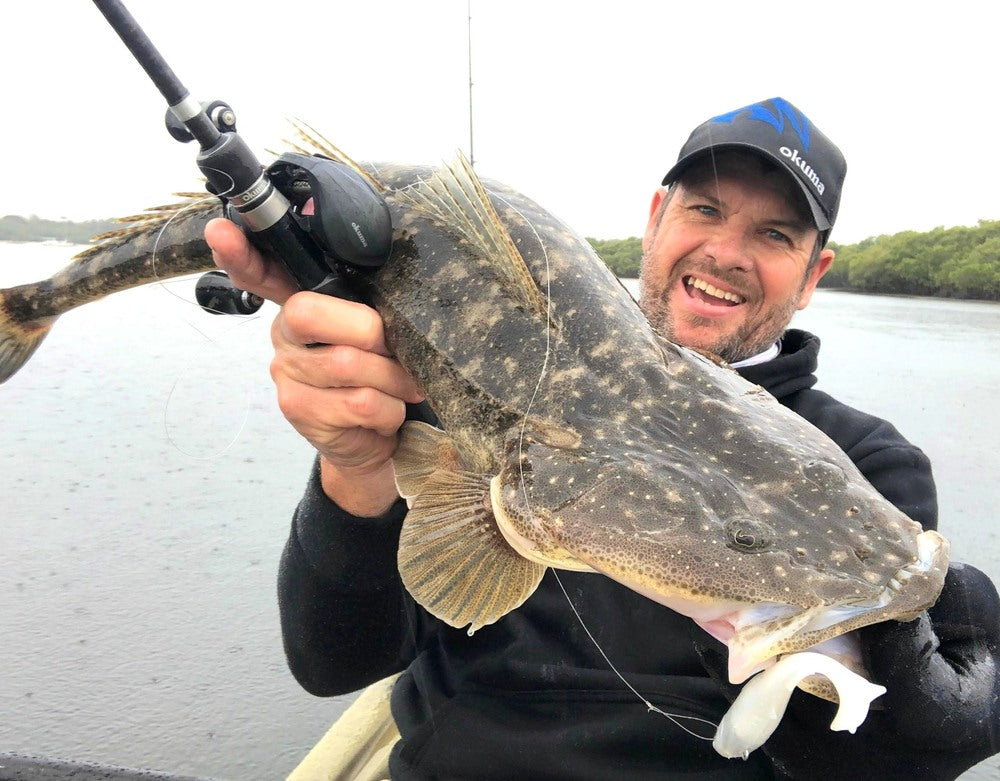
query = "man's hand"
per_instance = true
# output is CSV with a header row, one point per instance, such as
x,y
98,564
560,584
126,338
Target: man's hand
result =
x,y
940,715
335,380
346,396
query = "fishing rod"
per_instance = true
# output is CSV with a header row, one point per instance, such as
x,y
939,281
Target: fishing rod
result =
x,y
349,230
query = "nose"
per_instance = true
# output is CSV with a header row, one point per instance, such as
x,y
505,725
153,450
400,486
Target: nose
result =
x,y
729,248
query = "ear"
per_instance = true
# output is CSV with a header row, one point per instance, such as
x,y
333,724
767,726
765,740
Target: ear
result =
x,y
651,224
822,266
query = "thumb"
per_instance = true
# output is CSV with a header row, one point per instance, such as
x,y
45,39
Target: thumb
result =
x,y
246,267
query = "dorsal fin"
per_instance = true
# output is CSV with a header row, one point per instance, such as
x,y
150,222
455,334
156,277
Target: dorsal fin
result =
x,y
312,142
455,197
152,221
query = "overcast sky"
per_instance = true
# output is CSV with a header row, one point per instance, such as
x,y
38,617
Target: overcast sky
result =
x,y
581,105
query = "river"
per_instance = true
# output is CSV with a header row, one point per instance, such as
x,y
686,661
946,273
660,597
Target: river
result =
x,y
148,480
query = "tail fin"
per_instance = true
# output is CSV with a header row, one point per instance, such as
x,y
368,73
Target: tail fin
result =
x,y
18,340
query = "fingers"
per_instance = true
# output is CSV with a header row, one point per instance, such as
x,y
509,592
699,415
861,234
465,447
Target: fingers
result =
x,y
336,383
352,425
312,318
343,366
327,342
246,268
325,413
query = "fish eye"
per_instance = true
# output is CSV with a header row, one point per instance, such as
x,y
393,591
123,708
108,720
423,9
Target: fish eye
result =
x,y
748,535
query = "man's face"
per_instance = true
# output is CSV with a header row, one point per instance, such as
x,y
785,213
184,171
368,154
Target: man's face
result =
x,y
725,267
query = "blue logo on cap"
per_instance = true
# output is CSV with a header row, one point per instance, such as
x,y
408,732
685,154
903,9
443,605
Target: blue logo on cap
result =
x,y
782,111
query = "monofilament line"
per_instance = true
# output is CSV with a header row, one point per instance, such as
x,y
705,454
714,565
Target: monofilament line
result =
x,y
548,345
176,215
173,388
674,717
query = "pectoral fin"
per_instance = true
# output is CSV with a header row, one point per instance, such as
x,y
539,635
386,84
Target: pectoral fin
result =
x,y
422,451
452,558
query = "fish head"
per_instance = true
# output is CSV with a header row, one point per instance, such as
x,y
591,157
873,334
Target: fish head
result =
x,y
768,565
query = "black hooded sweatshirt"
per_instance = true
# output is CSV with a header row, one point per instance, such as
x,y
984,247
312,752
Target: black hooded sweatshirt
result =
x,y
532,696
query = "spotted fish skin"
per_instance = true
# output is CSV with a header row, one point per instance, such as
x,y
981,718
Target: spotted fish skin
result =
x,y
481,352
760,504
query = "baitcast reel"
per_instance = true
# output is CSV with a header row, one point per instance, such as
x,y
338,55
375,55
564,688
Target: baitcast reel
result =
x,y
334,208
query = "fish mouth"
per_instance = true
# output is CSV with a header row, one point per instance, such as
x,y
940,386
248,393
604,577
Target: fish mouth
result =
x,y
757,635
707,293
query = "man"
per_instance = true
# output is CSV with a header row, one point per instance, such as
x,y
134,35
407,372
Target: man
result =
x,y
733,248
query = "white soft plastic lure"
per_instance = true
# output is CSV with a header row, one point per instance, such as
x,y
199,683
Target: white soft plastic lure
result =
x,y
762,701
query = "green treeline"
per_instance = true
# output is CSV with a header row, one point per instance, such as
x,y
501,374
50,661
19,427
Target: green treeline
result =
x,y
622,256
960,262
13,228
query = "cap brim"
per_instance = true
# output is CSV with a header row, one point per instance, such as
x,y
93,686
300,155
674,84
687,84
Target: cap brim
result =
x,y
819,218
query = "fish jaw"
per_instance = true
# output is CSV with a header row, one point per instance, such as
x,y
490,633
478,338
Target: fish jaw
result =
x,y
755,643
757,634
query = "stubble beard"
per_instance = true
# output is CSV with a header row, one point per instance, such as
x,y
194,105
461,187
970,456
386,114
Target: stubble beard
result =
x,y
753,336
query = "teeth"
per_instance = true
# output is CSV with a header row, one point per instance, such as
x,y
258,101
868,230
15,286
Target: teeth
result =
x,y
898,581
713,291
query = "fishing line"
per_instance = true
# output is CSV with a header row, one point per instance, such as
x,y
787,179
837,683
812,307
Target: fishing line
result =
x,y
214,342
156,243
548,344
673,717
211,456
199,407
156,246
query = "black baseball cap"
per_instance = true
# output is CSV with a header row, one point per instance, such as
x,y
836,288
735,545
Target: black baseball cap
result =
x,y
782,133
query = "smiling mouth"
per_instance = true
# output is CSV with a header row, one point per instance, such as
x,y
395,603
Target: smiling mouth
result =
x,y
699,288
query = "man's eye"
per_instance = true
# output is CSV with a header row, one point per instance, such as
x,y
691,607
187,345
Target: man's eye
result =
x,y
777,235
708,211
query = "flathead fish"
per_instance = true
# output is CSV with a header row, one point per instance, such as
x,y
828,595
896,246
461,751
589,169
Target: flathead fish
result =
x,y
574,436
